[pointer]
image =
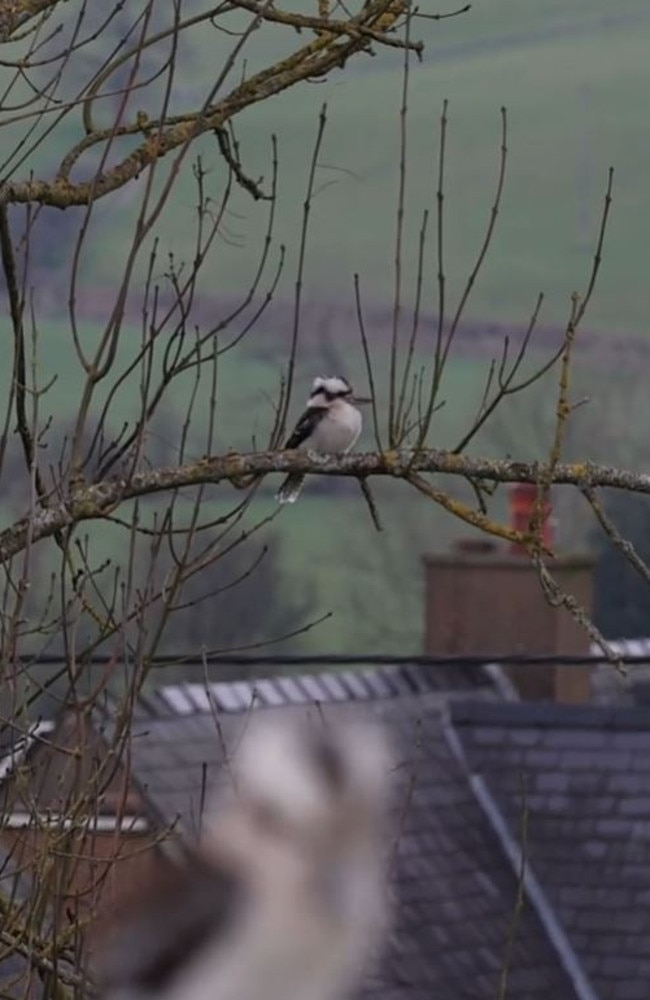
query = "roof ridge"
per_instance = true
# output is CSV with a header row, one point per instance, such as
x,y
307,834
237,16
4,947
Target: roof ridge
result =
x,y
381,683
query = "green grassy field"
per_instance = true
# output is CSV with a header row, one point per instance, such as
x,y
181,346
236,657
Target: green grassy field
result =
x,y
574,77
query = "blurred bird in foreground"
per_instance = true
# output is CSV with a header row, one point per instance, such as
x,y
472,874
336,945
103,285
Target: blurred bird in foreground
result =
x,y
284,899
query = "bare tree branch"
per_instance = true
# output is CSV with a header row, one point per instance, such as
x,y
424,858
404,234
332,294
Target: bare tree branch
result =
x,y
103,498
334,44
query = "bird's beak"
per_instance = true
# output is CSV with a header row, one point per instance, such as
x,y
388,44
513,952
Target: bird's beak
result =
x,y
363,399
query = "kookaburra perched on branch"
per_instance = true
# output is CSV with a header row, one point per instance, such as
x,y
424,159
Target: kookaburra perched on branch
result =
x,y
284,897
330,425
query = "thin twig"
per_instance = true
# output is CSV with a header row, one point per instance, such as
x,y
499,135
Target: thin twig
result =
x,y
560,598
610,529
370,501
520,898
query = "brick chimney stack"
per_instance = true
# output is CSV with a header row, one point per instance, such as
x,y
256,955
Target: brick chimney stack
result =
x,y
486,600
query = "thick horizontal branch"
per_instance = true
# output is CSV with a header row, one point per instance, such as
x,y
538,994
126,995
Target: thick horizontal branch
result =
x,y
335,44
15,13
101,499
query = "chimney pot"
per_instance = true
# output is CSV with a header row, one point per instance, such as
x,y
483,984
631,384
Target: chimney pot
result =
x,y
523,499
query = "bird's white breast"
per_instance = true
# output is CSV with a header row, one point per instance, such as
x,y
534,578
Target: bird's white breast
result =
x,y
338,430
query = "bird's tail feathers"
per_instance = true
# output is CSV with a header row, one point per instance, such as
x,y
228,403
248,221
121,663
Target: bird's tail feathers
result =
x,y
290,488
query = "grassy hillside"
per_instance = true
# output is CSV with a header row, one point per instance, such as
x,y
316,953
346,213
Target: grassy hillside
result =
x,y
574,78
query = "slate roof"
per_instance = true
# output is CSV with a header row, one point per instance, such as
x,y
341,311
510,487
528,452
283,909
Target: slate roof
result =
x,y
586,774
455,887
173,741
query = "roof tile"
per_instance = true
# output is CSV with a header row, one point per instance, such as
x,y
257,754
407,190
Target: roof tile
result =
x,y
587,776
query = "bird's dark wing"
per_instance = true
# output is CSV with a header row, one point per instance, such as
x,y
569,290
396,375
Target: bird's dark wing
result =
x,y
186,906
306,426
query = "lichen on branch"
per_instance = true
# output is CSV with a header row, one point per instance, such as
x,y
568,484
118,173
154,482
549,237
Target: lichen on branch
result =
x,y
103,498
